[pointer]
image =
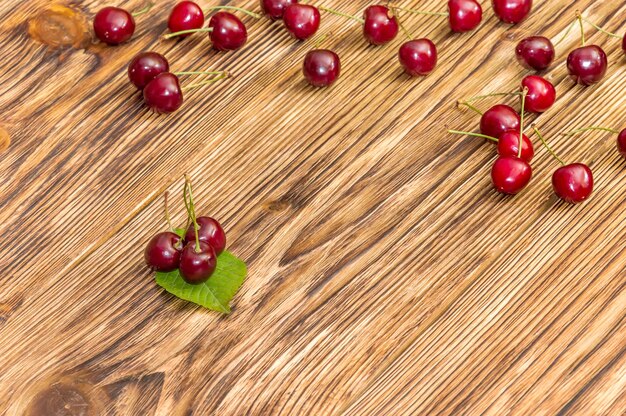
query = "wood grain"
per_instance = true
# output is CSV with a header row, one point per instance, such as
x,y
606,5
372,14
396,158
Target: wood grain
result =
x,y
386,277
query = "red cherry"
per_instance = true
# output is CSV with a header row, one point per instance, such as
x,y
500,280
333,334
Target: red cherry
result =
x,y
512,11
163,252
418,57
275,8
145,66
621,143
163,94
186,15
508,145
464,15
321,67
113,25
210,231
229,33
301,20
535,52
498,120
587,65
573,183
380,26
541,94
510,175
197,266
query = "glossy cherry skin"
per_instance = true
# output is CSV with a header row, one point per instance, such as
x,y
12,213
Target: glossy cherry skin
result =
x,y
163,94
624,43
535,52
321,67
210,231
301,20
380,26
229,33
510,175
541,94
113,25
418,57
508,145
573,183
145,66
498,120
587,65
276,8
163,252
621,143
464,15
186,15
512,11
197,266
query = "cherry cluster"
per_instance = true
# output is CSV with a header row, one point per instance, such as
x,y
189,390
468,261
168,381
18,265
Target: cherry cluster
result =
x,y
149,71
195,254
502,124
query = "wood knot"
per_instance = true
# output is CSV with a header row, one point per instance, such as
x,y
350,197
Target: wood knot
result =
x,y
65,398
60,26
278,205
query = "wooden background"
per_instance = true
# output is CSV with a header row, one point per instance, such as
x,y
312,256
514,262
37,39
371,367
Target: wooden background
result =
x,y
386,276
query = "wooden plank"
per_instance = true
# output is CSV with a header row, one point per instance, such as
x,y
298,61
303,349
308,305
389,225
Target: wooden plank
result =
x,y
323,312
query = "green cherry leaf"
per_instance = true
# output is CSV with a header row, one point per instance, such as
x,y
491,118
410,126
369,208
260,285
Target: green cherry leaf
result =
x,y
217,292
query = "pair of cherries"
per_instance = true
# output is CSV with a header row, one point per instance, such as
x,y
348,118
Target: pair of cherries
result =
x,y
195,255
226,31
150,73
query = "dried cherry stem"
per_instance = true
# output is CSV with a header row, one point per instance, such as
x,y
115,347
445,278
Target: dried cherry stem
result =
x,y
338,13
606,32
191,209
545,144
238,9
468,105
590,128
521,123
569,29
223,75
422,12
144,10
495,94
467,133
167,210
403,28
582,27
186,32
178,74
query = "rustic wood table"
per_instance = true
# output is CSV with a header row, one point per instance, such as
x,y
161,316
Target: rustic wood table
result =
x,y
386,277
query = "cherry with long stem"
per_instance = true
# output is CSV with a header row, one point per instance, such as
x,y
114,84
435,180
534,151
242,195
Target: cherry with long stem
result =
x,y
521,123
191,209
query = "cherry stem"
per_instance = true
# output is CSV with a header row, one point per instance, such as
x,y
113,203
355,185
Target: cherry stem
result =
x,y
403,28
575,132
521,123
192,209
239,9
582,27
321,40
223,75
569,29
606,32
186,32
546,145
146,9
198,73
470,106
413,11
167,211
497,94
338,13
467,133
